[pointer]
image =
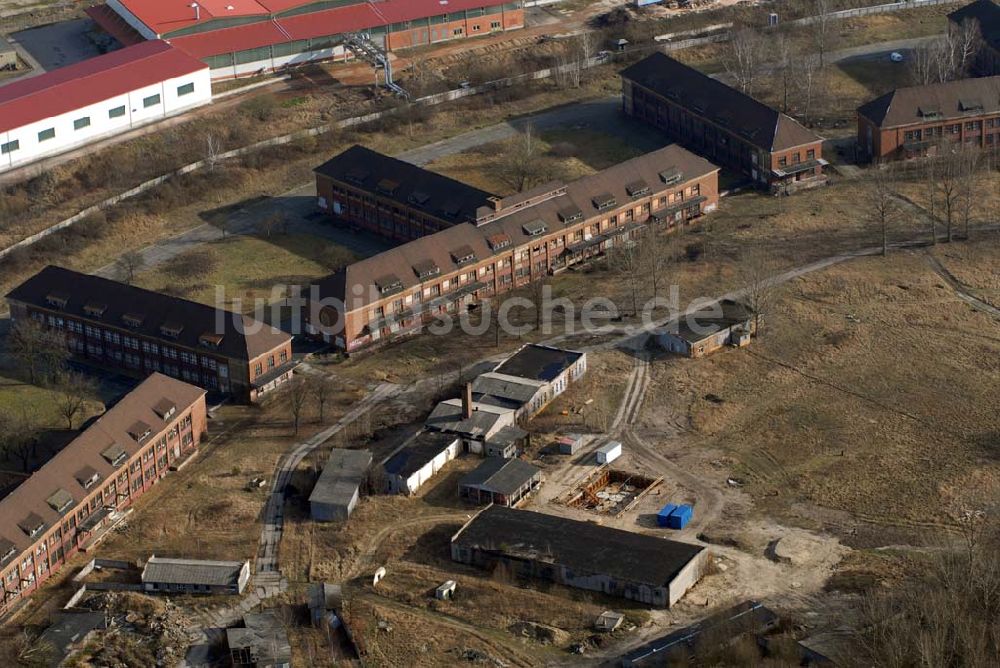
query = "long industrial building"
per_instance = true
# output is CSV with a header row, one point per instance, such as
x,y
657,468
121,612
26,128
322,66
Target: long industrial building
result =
x,y
103,96
642,568
73,499
245,37
464,245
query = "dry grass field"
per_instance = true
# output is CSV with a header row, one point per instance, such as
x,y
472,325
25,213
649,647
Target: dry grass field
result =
x,y
866,408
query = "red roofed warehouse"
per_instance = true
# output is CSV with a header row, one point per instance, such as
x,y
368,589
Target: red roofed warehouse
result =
x,y
238,37
99,97
72,501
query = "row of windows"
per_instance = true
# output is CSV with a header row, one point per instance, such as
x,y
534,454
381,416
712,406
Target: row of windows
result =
x,y
84,121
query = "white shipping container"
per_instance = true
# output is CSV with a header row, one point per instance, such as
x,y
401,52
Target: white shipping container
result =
x,y
609,452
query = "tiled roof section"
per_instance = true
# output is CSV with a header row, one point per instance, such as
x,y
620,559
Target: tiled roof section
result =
x,y
746,117
192,571
437,195
91,81
952,100
508,231
29,503
984,12
148,313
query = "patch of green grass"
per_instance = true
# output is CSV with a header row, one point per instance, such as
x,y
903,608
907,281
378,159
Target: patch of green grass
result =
x,y
38,404
246,268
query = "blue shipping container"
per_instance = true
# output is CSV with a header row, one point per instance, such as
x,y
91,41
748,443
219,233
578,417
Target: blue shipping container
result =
x,y
663,516
680,517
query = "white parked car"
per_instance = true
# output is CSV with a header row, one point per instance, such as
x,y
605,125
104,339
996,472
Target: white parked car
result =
x,y
896,57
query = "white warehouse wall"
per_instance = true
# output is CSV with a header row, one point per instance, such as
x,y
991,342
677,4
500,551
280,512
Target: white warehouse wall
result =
x,y
101,124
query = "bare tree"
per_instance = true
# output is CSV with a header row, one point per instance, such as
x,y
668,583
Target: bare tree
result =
x,y
930,177
213,149
933,62
743,57
656,252
625,258
521,164
883,206
74,389
298,394
269,225
966,41
40,352
756,275
18,437
969,163
949,185
807,74
821,28
784,67
129,264
322,389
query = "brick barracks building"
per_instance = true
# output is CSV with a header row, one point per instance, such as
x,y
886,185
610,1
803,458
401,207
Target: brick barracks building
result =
x,y
71,502
463,245
245,37
138,332
722,124
914,122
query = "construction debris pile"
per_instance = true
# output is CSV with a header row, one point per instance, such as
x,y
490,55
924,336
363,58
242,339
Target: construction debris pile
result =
x,y
142,631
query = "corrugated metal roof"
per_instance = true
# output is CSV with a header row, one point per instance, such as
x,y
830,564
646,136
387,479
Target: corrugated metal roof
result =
x,y
501,476
192,571
91,81
344,472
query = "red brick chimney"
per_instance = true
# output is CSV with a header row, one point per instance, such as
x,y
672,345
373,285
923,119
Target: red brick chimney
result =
x,y
467,401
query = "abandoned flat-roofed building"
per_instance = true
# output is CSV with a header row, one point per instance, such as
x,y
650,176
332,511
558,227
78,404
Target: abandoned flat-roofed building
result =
x,y
724,125
555,368
194,576
419,460
137,332
69,632
984,16
916,121
511,242
78,495
729,323
261,642
642,568
336,491
501,481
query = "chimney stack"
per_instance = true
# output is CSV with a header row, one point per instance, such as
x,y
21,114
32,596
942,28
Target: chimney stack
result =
x,y
467,401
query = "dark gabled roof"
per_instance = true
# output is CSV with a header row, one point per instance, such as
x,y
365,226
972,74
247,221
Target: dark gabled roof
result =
x,y
582,547
538,362
425,447
501,476
987,14
746,117
343,474
242,337
951,100
435,194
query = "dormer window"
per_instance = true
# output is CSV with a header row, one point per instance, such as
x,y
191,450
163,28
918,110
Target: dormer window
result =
x,y
114,454
463,255
32,525
929,112
357,176
387,187
7,551
970,105
133,320
451,209
95,310
419,198
534,228
210,340
637,189
171,330
498,241
604,201
570,214
57,300
165,409
426,269
60,501
87,477
388,284
139,431
671,176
